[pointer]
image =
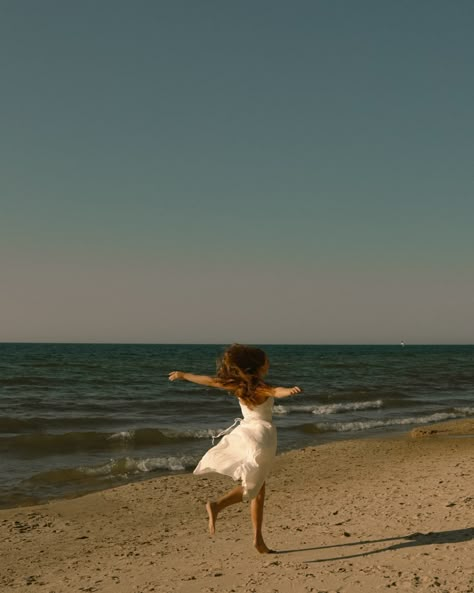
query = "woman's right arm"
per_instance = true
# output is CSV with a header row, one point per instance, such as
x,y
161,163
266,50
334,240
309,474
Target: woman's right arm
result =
x,y
199,379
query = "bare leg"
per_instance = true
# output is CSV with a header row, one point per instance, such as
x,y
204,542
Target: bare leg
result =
x,y
256,512
214,508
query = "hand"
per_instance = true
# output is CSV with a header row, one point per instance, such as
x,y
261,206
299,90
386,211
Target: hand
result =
x,y
294,390
176,375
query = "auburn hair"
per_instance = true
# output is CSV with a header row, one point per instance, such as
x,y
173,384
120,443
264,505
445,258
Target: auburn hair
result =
x,y
239,371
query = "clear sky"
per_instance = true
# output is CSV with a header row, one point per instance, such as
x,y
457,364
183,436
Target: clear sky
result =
x,y
254,171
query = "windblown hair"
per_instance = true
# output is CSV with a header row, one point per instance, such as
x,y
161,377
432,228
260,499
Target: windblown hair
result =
x,y
239,371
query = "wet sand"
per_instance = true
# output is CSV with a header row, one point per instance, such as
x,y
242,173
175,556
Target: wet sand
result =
x,y
354,516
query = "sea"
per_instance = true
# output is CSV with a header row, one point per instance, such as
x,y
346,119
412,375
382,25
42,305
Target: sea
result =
x,y
76,418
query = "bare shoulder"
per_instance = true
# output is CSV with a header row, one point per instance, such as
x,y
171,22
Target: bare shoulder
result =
x,y
265,393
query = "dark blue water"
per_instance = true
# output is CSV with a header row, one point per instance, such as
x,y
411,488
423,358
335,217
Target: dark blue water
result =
x,y
79,417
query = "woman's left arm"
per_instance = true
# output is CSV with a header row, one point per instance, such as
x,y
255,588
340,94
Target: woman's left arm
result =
x,y
285,391
199,379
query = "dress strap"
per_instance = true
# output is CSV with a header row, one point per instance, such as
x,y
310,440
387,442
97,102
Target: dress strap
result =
x,y
227,430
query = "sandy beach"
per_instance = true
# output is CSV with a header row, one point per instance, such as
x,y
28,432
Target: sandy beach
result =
x,y
351,516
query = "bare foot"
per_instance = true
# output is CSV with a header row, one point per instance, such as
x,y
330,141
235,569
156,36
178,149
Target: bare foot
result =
x,y
211,508
262,548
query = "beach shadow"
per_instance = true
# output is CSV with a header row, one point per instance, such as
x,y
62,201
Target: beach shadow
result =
x,y
411,540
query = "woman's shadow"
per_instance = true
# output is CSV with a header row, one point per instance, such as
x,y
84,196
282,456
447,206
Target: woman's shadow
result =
x,y
411,540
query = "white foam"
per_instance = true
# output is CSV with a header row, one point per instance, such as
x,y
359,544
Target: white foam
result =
x,y
133,466
170,463
368,424
124,435
348,407
330,408
467,411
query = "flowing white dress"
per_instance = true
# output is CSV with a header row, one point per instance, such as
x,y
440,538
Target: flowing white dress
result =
x,y
246,453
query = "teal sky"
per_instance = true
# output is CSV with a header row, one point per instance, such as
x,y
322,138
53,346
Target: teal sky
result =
x,y
212,171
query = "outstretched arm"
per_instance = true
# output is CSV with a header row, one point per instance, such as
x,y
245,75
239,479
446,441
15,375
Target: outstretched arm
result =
x,y
199,379
285,391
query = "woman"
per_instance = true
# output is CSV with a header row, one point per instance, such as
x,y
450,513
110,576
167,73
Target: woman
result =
x,y
247,453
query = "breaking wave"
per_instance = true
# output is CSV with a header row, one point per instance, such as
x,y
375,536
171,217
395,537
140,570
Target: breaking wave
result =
x,y
330,408
359,425
124,466
38,444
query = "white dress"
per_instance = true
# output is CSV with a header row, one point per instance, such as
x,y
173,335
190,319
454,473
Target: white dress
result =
x,y
246,453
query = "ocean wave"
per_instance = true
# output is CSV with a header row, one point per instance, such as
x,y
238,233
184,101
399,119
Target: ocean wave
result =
x,y
466,411
11,424
360,425
39,444
124,466
330,408
129,465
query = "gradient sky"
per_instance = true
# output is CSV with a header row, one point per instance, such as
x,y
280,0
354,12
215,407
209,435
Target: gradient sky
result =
x,y
213,171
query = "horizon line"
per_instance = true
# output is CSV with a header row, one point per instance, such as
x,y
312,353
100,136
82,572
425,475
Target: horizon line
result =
x,y
106,343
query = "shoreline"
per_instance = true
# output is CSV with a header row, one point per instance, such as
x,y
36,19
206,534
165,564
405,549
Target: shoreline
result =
x,y
349,516
459,427
462,427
